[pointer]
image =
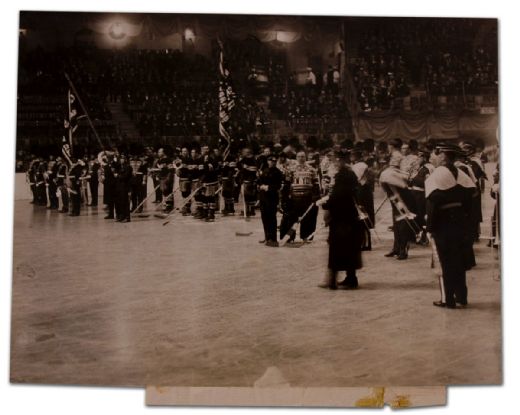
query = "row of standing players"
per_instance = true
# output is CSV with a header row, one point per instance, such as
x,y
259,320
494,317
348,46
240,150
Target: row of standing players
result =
x,y
279,183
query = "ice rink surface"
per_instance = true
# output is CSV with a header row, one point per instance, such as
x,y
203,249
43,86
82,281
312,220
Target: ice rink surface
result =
x,y
192,304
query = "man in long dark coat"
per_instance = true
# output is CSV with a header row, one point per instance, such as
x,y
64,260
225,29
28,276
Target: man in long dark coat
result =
x,y
269,183
109,187
345,228
123,176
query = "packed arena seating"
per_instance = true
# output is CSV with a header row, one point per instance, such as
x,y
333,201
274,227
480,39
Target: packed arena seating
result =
x,y
169,93
425,54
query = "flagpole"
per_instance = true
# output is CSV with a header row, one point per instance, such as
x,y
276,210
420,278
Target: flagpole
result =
x,y
84,110
70,126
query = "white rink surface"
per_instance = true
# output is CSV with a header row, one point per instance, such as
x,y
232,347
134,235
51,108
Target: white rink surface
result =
x,y
190,303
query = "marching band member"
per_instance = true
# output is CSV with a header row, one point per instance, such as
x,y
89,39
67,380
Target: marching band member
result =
x,y
448,202
61,183
75,174
416,183
394,183
365,193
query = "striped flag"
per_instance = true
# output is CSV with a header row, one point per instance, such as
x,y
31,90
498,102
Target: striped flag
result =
x,y
226,99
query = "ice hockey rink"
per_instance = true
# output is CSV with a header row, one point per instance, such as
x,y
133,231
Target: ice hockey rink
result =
x,y
193,304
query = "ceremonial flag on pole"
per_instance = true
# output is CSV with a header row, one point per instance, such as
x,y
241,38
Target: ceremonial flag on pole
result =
x,y
226,98
70,123
65,149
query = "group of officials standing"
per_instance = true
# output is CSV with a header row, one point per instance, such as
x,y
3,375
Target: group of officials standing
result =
x,y
433,190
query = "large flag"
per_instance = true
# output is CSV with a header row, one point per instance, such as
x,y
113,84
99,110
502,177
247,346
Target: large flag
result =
x,y
70,123
226,98
65,149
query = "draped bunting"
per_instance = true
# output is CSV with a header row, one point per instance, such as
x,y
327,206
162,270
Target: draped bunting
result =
x,y
418,125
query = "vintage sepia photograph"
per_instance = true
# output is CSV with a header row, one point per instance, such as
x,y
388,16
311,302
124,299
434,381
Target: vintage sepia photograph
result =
x,y
210,200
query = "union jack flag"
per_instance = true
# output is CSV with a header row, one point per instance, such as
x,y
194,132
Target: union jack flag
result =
x,y
226,99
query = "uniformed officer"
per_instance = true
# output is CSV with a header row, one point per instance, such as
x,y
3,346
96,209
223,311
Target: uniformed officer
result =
x,y
269,183
61,183
51,178
75,174
448,193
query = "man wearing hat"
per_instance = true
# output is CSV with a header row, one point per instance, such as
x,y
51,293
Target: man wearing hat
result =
x,y
416,183
395,183
269,183
472,166
75,174
345,227
365,192
123,177
448,193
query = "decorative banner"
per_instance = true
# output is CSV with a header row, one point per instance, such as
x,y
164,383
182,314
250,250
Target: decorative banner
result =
x,y
423,125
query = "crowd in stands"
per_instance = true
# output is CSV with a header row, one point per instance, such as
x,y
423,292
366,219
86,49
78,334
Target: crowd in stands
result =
x,y
440,56
171,93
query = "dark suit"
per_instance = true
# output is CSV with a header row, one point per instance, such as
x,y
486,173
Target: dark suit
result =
x,y
271,177
109,188
123,179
